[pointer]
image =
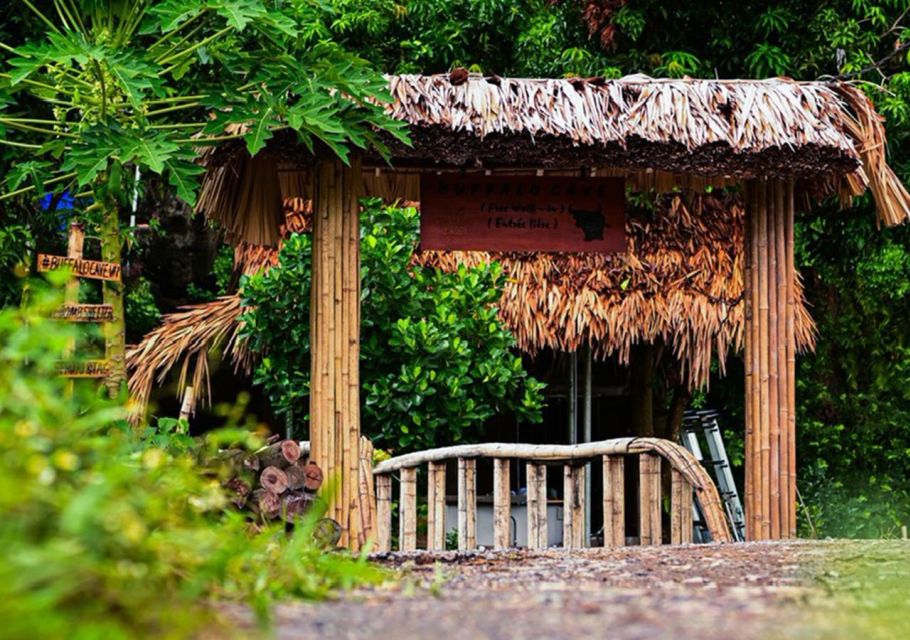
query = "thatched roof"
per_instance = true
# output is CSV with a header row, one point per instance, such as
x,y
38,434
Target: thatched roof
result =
x,y
673,132
680,281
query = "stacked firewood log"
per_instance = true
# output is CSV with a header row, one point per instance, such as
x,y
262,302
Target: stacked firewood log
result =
x,y
272,483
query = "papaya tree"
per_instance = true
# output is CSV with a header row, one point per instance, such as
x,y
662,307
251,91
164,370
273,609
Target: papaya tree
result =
x,y
111,86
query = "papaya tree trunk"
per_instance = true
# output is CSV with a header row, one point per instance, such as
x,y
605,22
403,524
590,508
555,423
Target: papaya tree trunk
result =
x,y
115,330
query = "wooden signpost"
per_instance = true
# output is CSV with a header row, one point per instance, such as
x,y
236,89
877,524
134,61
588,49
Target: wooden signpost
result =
x,y
85,312
72,311
94,269
522,213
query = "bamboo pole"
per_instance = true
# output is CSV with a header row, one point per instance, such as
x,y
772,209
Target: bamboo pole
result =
x,y
189,400
537,505
335,330
502,504
573,512
764,364
775,202
74,249
782,441
614,501
436,506
467,504
791,362
366,491
384,513
749,358
649,510
407,516
680,509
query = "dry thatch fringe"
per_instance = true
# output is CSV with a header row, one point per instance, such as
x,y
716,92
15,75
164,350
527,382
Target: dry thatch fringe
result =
x,y
892,201
680,281
185,337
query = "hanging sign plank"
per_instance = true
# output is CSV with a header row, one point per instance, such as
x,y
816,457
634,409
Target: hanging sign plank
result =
x,y
85,313
84,368
82,268
522,213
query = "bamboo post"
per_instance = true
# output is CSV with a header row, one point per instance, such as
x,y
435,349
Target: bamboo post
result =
x,y
680,509
537,505
502,504
764,364
573,512
436,506
407,517
74,249
775,202
366,491
749,290
614,501
649,499
467,504
189,400
790,329
384,513
335,341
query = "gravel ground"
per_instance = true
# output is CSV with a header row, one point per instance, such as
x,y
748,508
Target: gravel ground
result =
x,y
782,590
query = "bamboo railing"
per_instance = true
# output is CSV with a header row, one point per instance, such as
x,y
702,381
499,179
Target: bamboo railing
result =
x,y
689,481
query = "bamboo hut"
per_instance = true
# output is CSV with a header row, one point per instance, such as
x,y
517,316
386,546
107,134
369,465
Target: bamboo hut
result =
x,y
784,142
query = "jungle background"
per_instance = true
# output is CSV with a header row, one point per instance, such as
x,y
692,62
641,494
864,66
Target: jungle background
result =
x,y
853,396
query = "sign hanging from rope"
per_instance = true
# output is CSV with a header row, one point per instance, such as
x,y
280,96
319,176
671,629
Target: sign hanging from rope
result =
x,y
522,213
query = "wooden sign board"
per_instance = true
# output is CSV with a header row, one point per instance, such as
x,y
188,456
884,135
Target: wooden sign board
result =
x,y
84,368
522,213
85,313
82,268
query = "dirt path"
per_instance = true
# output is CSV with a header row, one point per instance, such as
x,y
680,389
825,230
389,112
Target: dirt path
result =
x,y
782,591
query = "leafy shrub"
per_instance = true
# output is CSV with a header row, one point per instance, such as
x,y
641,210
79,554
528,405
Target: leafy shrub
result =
x,y
107,535
142,313
435,359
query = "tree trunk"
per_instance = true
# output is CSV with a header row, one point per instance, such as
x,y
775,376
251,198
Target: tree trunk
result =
x,y
681,398
111,249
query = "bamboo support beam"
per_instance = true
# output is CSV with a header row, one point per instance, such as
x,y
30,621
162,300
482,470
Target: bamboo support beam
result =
x,y
649,510
335,342
467,504
436,506
407,510
770,362
680,509
502,504
573,512
614,501
384,513
537,505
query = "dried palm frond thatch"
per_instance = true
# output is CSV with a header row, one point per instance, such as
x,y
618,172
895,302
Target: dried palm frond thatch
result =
x,y
679,132
681,281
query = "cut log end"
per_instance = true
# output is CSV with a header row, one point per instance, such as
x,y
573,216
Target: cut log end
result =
x,y
274,479
314,476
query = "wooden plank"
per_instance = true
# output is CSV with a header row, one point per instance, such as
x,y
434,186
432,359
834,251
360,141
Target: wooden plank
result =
x,y
522,213
383,513
649,510
72,312
93,269
436,506
83,368
502,504
407,517
680,509
614,500
467,503
573,516
537,505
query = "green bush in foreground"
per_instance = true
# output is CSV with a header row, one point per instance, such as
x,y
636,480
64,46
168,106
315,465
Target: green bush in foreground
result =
x,y
106,535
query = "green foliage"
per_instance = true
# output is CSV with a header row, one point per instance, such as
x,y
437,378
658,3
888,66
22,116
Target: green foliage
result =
x,y
142,313
106,535
436,361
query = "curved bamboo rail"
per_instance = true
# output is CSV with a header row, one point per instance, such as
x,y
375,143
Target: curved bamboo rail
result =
x,y
687,474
